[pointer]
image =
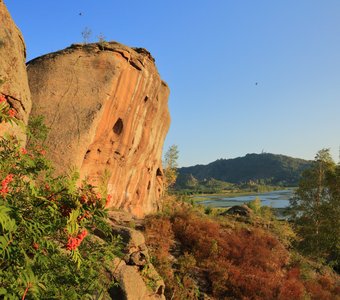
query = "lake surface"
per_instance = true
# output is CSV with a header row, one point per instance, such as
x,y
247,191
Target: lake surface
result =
x,y
275,199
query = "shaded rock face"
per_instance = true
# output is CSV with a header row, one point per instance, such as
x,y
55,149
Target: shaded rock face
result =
x,y
106,107
13,76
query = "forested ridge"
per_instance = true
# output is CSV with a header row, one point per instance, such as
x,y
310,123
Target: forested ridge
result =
x,y
266,168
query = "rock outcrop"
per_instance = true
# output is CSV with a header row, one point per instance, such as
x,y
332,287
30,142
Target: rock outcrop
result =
x,y
137,277
13,76
106,107
238,210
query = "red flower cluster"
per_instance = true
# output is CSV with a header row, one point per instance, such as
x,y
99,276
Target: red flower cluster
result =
x,y
74,242
108,200
12,113
4,184
83,199
23,151
35,246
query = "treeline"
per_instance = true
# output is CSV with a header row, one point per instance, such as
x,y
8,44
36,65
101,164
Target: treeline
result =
x,y
187,184
264,169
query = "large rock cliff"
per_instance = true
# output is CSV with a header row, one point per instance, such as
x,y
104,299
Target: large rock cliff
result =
x,y
106,107
13,76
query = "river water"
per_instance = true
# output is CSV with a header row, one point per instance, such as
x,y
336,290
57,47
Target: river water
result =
x,y
275,199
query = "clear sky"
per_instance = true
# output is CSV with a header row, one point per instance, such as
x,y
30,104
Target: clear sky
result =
x,y
246,76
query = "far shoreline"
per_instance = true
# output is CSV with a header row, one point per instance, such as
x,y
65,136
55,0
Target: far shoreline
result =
x,y
234,194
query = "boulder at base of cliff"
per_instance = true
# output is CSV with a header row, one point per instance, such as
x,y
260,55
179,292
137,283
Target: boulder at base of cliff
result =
x,y
13,76
135,274
107,110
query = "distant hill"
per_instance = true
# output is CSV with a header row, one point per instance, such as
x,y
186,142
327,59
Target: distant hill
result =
x,y
264,168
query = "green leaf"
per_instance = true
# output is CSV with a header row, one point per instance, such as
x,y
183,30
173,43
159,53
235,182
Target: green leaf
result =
x,y
42,286
76,257
72,224
33,189
6,222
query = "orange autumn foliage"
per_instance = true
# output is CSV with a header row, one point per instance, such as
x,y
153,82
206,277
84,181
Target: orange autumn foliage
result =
x,y
244,262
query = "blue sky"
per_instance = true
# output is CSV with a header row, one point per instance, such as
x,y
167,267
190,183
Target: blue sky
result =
x,y
212,54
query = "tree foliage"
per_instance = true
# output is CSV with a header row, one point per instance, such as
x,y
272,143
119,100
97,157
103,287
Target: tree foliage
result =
x,y
170,165
47,245
316,209
265,169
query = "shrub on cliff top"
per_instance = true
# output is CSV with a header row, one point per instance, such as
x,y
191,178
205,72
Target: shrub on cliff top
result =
x,y
47,246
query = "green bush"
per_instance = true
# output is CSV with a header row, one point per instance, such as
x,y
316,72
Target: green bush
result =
x,y
48,249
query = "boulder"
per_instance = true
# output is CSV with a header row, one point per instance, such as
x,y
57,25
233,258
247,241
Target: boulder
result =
x,y
13,76
132,286
239,210
137,277
120,217
106,107
133,271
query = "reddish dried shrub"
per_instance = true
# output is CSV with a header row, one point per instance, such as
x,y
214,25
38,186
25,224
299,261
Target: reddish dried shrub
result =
x,y
240,263
324,288
160,238
159,234
291,289
293,273
317,292
227,263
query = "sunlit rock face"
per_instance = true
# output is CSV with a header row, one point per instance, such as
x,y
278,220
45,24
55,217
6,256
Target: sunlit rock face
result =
x,y
13,76
107,110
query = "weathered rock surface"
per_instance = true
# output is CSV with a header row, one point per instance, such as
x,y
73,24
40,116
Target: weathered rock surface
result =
x,y
133,287
137,277
13,76
107,109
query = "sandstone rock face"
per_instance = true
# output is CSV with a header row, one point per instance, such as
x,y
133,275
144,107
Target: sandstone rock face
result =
x,y
106,107
13,76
